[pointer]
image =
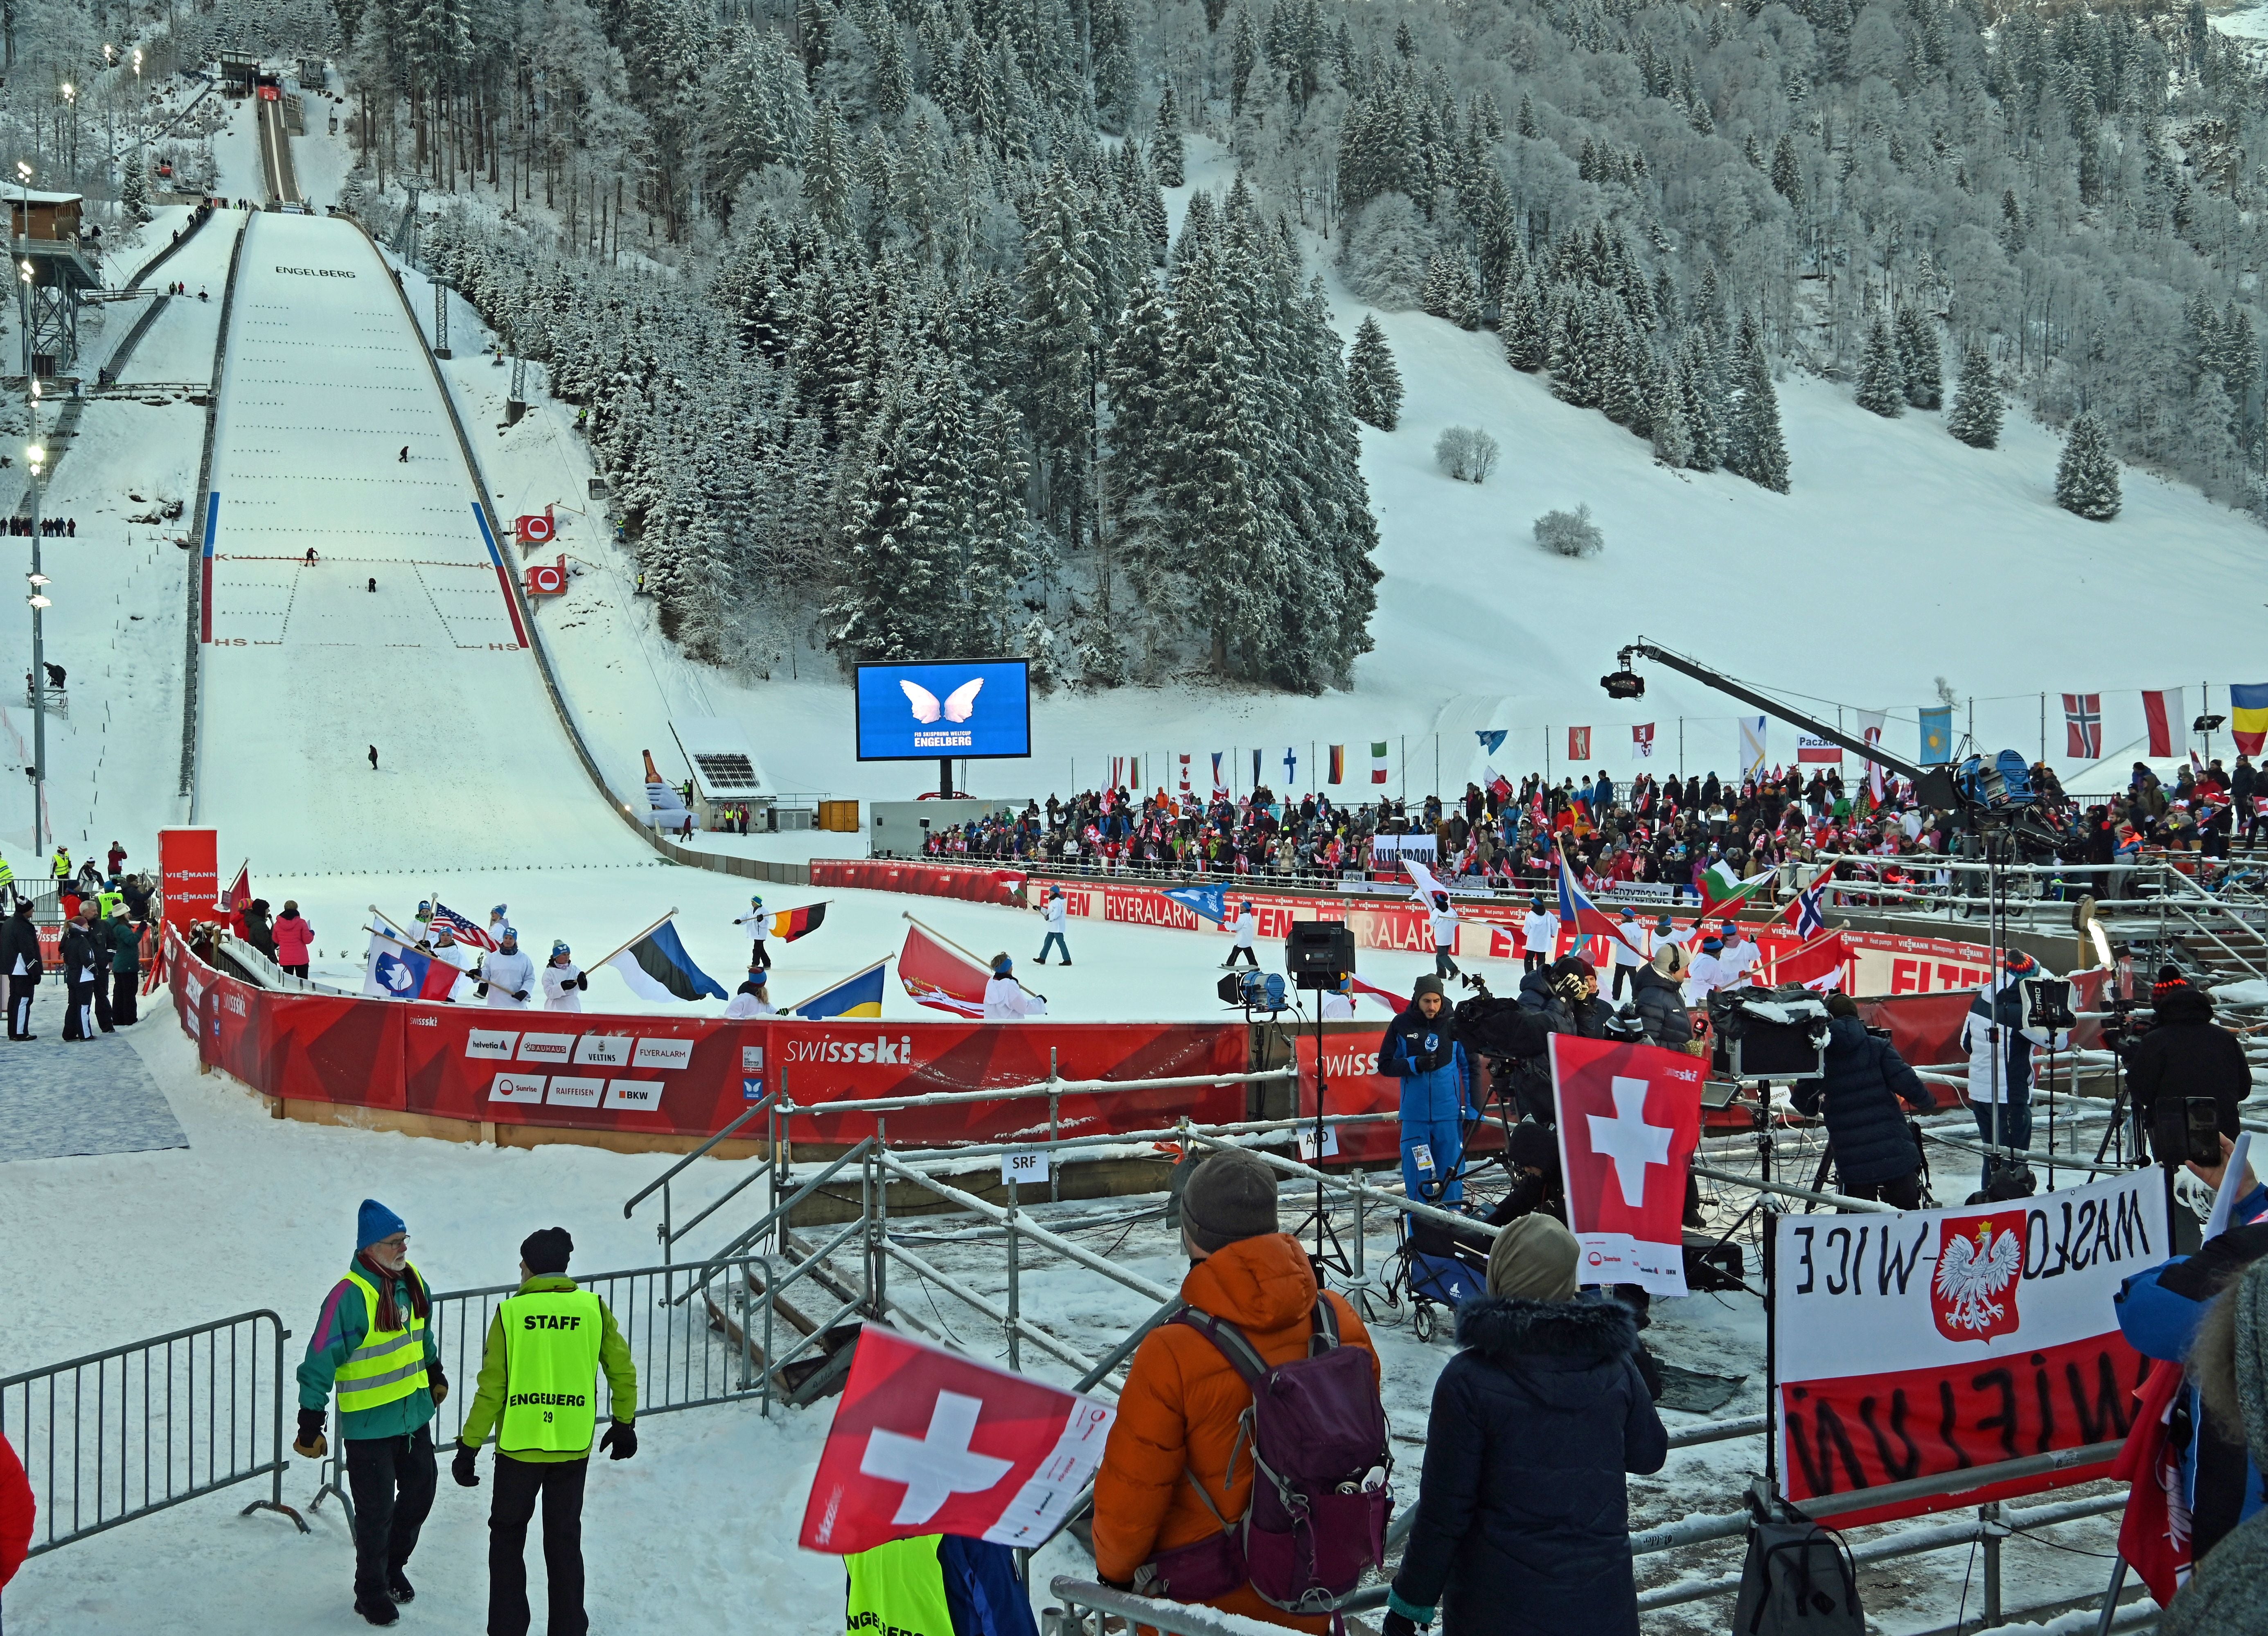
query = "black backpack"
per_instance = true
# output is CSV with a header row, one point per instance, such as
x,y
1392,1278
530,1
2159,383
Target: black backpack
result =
x,y
1799,1580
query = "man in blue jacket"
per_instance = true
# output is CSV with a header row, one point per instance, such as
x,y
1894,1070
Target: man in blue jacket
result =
x,y
1422,1050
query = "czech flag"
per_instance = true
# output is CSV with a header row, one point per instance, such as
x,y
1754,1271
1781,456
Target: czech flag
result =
x,y
790,924
856,995
1579,916
2248,715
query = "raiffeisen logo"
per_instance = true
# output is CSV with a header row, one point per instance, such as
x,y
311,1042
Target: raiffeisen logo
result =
x,y
826,1048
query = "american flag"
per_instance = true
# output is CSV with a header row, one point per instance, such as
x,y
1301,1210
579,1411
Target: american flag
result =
x,y
1806,913
461,929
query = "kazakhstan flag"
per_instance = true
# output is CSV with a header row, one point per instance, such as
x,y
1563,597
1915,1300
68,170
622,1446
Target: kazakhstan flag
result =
x,y
858,996
1936,735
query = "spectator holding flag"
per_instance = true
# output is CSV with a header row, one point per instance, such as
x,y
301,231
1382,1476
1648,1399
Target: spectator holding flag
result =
x,y
1246,927
1443,923
756,923
1052,913
447,950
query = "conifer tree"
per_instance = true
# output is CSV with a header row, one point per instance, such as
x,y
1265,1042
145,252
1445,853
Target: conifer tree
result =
x,y
1882,380
2086,476
1524,325
1918,358
1976,407
1373,382
134,189
1787,173
1435,295
1165,157
1763,448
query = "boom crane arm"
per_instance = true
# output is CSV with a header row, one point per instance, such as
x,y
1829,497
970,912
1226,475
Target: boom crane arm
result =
x,y
1934,784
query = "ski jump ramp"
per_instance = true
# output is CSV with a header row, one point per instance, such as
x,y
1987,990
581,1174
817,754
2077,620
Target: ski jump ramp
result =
x,y
305,667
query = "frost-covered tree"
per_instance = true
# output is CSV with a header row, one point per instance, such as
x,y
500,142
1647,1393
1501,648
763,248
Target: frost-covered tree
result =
x,y
2086,476
1385,257
1570,534
1466,454
1165,158
1524,324
1881,378
1976,407
1918,358
1373,382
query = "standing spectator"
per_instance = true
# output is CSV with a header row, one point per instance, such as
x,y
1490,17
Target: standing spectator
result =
x,y
125,969
1246,929
1052,913
756,923
2223,1594
117,860
1867,1089
260,926
1539,935
80,959
1659,1000
103,931
1630,951
2186,1053
294,938
1443,924
20,948
1175,1470
18,1512
1422,1050
1522,1526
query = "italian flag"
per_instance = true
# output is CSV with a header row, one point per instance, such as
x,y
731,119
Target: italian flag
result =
x,y
1378,763
1721,888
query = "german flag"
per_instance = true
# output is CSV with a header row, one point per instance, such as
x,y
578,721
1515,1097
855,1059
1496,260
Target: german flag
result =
x,y
792,924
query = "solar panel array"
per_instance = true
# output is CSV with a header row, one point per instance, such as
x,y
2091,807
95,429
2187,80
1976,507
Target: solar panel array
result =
x,y
727,771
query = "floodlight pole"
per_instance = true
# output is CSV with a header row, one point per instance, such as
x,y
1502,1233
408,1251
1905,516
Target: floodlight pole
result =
x,y
945,777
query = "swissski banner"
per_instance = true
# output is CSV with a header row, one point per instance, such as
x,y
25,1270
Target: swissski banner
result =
x,y
1629,1118
1932,1341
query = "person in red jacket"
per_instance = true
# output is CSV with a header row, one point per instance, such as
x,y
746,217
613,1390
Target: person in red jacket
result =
x,y
17,1509
293,936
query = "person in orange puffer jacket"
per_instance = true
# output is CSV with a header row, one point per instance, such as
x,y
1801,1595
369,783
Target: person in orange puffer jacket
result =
x,y
1178,1418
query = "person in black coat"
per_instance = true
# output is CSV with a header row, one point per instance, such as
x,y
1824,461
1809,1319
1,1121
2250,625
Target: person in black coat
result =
x,y
1658,996
81,959
1866,1083
19,958
2186,1053
1522,1526
1566,994
258,927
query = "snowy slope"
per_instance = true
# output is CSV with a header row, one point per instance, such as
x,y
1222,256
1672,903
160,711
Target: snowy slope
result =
x,y
325,382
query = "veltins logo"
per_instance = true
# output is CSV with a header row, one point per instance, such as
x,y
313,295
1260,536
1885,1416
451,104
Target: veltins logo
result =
x,y
1973,1295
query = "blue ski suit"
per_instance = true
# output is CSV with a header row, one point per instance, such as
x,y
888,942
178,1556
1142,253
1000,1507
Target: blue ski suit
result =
x,y
1437,1082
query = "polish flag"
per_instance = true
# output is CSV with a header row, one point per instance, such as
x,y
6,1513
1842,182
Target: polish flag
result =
x,y
940,974
1629,1118
2163,711
928,1441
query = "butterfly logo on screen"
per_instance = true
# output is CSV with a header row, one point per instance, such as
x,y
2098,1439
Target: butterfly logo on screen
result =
x,y
960,704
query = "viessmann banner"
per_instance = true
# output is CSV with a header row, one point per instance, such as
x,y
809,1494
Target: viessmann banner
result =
x,y
1936,1341
976,708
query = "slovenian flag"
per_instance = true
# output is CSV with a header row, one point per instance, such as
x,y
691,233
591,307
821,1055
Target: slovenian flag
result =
x,y
856,995
395,971
790,924
2248,716
657,967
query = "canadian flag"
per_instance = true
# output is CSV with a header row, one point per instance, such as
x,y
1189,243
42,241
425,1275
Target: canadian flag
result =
x,y
1629,1118
927,1441
536,530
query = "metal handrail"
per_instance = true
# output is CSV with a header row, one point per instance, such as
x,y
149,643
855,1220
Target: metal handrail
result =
x,y
1045,1087
663,1180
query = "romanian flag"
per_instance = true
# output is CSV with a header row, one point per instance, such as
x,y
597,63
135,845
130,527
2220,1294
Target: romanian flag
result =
x,y
856,995
2248,714
790,924
1338,763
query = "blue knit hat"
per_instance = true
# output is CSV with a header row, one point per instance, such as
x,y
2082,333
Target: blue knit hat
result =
x,y
374,1222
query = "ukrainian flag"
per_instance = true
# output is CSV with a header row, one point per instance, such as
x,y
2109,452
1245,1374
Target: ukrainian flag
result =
x,y
2248,713
858,996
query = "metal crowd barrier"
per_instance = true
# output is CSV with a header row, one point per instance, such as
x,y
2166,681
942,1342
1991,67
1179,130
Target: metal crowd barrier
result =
x,y
118,1435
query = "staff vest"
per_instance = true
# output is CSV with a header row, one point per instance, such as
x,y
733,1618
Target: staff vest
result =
x,y
551,1371
897,1587
390,1364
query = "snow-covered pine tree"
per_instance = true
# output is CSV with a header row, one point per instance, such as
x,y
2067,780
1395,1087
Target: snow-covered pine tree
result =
x,y
1976,407
1881,379
1763,450
1698,397
134,188
1524,325
1373,382
1918,358
1060,332
2086,476
1436,294
1113,53
1165,158
1620,385
1673,439
1464,295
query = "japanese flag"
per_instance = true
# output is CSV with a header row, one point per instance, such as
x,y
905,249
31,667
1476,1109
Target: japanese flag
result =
x,y
927,1441
1629,1118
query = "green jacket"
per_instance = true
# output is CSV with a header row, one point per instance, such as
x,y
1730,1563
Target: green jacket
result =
x,y
343,1327
126,960
614,1362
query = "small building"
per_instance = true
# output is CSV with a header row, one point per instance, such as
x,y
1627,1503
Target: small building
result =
x,y
237,69
312,71
725,771
51,216
46,229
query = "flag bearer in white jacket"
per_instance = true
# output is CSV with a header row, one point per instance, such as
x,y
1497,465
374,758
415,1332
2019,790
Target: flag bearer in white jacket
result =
x,y
1053,911
563,981
507,976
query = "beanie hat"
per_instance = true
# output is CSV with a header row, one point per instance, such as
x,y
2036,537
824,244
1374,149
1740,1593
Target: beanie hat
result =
x,y
2016,960
558,947
1671,961
1533,1147
2169,977
374,1222
1426,985
546,1249
1840,1004
1712,944
1230,1195
1663,925
1533,1259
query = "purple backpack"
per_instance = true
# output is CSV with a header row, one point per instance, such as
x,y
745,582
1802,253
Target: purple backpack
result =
x,y
1321,1458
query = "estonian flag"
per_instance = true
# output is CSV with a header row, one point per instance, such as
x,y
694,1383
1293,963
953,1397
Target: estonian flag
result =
x,y
790,924
858,996
657,967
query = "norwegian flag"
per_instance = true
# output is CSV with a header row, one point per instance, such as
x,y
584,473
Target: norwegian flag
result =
x,y
2082,721
461,929
927,1441
1808,914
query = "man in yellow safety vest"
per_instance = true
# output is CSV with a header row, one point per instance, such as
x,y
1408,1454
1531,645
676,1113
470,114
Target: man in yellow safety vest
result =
x,y
539,1390
373,1344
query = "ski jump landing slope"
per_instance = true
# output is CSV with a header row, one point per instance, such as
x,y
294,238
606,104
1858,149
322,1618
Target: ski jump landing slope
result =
x,y
326,380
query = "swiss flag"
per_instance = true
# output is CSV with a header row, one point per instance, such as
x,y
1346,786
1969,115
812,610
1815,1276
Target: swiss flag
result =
x,y
927,1441
1629,1118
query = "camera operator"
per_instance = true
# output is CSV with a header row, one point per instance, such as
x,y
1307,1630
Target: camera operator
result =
x,y
2186,1053
1658,996
1566,996
2000,1047
1867,1089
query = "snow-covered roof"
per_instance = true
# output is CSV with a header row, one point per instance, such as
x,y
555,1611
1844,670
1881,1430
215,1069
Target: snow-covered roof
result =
x,y
19,195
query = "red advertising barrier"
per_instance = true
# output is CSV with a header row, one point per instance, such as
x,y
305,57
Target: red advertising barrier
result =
x,y
981,885
691,1076
1926,1028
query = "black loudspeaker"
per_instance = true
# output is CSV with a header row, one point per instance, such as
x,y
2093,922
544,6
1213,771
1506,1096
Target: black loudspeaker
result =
x,y
1319,953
